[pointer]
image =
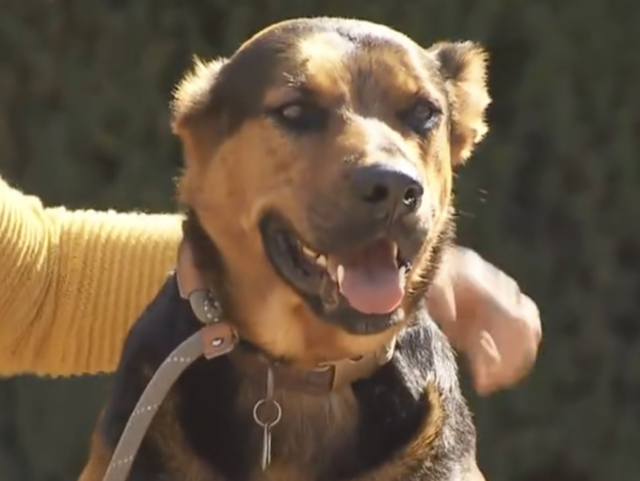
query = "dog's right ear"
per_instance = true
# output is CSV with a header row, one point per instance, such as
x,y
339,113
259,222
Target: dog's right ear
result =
x,y
192,101
463,66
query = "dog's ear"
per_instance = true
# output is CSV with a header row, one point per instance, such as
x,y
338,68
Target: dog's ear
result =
x,y
463,66
192,100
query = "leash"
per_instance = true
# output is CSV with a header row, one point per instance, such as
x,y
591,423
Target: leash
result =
x,y
214,339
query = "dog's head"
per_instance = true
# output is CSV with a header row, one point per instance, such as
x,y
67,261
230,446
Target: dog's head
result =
x,y
319,161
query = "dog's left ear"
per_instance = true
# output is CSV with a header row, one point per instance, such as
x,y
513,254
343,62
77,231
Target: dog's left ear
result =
x,y
463,66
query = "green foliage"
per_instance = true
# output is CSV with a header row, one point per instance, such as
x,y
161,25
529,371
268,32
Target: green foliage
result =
x,y
551,196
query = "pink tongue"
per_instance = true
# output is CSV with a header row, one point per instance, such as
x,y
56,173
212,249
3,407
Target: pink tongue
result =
x,y
371,280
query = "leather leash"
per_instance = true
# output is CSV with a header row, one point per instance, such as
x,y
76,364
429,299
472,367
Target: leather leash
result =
x,y
215,339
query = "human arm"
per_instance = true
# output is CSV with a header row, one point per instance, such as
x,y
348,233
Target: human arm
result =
x,y
72,282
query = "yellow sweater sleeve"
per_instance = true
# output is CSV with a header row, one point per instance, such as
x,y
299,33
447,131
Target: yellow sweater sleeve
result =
x,y
73,282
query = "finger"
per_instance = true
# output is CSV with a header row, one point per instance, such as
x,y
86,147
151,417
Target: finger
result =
x,y
527,334
524,351
493,371
485,361
532,336
531,316
489,348
503,289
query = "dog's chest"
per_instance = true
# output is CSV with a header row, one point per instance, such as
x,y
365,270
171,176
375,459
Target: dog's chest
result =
x,y
312,433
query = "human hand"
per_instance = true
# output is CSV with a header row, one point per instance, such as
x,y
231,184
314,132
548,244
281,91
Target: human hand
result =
x,y
484,314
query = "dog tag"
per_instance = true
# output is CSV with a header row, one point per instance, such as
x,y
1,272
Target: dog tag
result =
x,y
267,423
266,446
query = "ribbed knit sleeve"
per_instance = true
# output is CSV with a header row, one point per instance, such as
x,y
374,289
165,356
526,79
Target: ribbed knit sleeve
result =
x,y
73,282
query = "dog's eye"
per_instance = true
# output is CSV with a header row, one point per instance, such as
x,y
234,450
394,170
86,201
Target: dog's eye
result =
x,y
421,117
301,116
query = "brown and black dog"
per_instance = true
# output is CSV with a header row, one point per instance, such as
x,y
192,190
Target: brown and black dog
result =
x,y
318,186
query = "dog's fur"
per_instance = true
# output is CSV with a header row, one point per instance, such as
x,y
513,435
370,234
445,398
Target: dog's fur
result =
x,y
406,422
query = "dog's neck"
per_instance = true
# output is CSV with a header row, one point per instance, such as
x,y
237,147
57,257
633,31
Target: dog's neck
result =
x,y
249,358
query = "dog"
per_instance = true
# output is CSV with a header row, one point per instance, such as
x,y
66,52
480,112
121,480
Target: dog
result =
x,y
318,195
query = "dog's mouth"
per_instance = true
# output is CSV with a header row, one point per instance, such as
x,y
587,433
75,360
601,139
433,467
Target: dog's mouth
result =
x,y
366,280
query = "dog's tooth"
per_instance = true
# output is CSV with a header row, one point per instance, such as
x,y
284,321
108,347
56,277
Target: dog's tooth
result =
x,y
321,261
332,268
395,249
340,274
403,275
308,252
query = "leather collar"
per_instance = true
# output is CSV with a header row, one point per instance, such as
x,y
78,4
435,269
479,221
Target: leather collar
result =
x,y
320,380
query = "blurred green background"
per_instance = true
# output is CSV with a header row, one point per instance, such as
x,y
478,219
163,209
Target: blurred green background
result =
x,y
552,195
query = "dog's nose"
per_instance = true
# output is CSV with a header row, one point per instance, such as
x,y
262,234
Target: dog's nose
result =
x,y
388,190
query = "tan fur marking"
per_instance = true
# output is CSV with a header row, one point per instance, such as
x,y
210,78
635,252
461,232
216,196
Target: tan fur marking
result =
x,y
325,68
